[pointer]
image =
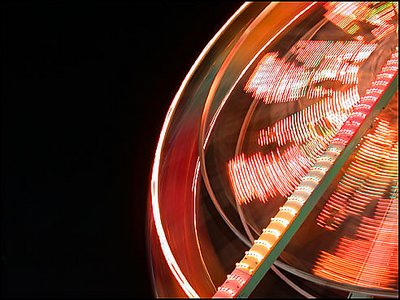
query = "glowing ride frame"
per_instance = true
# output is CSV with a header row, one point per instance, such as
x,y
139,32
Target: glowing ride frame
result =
x,y
179,276
154,193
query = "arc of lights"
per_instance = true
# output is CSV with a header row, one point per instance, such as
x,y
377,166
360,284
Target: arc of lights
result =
x,y
169,256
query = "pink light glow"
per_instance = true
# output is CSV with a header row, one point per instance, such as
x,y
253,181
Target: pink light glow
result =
x,y
307,132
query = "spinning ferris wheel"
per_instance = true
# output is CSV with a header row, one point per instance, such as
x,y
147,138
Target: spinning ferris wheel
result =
x,y
278,158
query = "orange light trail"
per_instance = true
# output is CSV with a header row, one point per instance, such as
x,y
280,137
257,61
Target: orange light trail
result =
x,y
169,256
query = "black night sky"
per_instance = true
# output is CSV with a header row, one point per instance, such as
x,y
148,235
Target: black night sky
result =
x,y
85,89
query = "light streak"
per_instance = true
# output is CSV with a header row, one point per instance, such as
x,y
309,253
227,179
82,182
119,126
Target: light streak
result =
x,y
276,80
173,265
346,14
307,132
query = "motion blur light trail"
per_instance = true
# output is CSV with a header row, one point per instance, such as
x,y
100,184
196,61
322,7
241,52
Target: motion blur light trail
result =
x,y
283,139
310,130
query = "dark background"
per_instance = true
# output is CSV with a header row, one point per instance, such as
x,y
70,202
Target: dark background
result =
x,y
85,89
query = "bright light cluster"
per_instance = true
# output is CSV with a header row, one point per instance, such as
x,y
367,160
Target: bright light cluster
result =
x,y
306,133
303,74
348,15
264,176
275,80
312,53
322,119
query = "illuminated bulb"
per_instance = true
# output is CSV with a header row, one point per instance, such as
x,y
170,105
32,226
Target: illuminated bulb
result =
x,y
291,210
284,222
272,231
263,243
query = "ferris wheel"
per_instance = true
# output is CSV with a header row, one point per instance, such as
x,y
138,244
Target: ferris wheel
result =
x,y
276,170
